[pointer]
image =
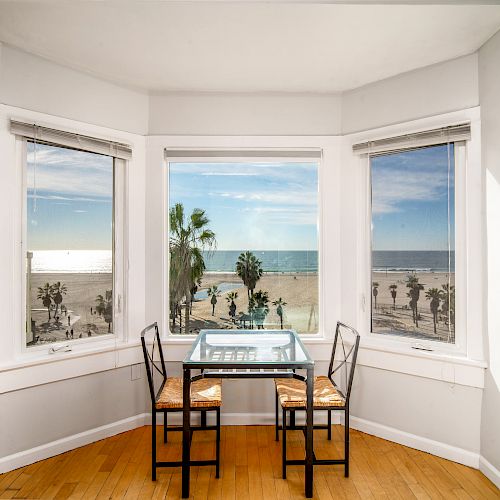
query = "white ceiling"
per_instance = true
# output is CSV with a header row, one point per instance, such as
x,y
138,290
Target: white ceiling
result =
x,y
245,47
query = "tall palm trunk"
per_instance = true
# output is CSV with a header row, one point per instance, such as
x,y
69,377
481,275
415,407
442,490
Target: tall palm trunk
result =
x,y
186,314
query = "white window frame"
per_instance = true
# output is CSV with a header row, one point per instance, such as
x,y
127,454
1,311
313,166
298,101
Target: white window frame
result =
x,y
91,344
329,215
166,254
468,245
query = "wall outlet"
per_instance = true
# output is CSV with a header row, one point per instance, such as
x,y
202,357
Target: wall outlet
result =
x,y
135,372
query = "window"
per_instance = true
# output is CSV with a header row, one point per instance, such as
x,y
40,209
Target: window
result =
x,y
69,244
243,245
413,243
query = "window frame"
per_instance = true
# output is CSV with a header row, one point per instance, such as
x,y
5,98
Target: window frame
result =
x,y
469,239
166,334
119,336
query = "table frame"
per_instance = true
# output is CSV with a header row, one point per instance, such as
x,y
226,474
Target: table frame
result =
x,y
268,372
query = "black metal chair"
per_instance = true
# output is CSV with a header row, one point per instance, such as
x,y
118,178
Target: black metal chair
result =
x,y
205,397
329,395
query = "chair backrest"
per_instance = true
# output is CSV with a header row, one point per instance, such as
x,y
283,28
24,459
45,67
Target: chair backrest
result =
x,y
148,349
343,360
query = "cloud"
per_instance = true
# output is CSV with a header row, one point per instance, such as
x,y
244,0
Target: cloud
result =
x,y
230,174
65,172
80,211
390,188
283,197
284,215
46,196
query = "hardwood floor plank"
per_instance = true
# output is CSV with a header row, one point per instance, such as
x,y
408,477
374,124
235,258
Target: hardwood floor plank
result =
x,y
120,467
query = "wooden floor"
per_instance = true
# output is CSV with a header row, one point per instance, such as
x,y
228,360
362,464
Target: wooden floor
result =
x,y
119,467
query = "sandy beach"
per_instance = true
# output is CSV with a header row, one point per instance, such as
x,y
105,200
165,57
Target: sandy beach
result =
x,y
399,321
83,289
298,290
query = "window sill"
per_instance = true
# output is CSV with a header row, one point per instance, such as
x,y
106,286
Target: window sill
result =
x,y
38,369
445,367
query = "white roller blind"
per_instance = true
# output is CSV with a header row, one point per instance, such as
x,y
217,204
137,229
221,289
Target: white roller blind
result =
x,y
452,133
232,154
71,140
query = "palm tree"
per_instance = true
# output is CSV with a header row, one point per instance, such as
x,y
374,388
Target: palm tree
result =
x,y
261,309
279,310
213,292
414,294
45,293
393,288
193,291
448,306
249,269
189,236
58,290
108,309
104,307
375,286
231,297
434,295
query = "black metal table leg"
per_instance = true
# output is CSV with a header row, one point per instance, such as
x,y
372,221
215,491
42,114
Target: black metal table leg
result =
x,y
309,433
186,432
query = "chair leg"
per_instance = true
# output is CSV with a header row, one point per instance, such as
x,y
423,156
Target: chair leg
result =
x,y
276,420
153,445
217,444
346,443
292,419
203,419
329,425
165,427
283,438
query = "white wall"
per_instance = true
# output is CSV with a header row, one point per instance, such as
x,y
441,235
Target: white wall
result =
x,y
489,88
433,90
36,84
38,415
244,114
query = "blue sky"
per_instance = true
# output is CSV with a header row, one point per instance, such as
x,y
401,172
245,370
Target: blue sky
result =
x,y
69,199
255,206
410,200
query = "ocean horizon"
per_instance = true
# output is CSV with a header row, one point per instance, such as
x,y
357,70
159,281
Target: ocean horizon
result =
x,y
273,261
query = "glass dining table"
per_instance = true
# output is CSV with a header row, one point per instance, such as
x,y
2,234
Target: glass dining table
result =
x,y
247,354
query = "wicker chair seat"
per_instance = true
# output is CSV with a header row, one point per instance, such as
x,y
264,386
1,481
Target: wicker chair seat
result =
x,y
205,393
292,393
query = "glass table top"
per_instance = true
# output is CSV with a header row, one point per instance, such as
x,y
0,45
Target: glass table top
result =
x,y
249,347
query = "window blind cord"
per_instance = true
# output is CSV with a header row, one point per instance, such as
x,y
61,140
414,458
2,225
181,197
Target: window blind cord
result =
x,y
449,246
34,172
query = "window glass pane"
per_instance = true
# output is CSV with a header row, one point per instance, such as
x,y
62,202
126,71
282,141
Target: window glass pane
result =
x,y
243,246
413,247
69,261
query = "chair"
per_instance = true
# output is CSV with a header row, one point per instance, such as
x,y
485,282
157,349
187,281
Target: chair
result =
x,y
205,396
328,395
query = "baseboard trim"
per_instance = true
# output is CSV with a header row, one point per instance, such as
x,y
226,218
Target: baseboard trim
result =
x,y
443,450
16,460
437,448
490,471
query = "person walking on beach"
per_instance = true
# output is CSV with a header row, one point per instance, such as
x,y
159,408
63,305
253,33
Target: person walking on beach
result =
x,y
67,334
91,311
72,333
69,320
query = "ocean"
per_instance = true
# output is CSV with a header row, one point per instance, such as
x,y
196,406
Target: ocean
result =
x,y
72,261
298,261
276,261
417,261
